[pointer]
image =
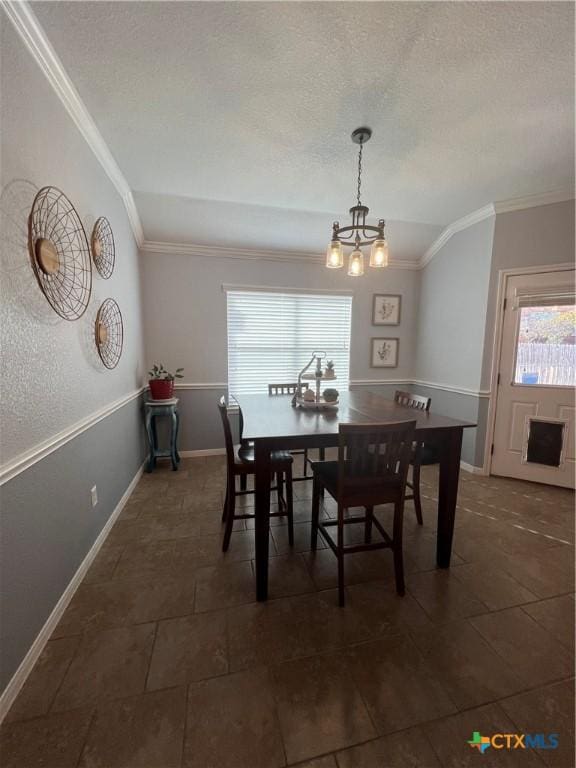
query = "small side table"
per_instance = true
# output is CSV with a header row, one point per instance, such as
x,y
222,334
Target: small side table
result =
x,y
152,410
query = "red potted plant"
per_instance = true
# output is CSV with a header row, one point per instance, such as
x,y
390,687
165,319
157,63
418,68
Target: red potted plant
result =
x,y
161,382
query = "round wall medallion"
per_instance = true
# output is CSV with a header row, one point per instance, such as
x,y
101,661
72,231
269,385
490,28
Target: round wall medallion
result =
x,y
47,256
103,249
109,333
59,253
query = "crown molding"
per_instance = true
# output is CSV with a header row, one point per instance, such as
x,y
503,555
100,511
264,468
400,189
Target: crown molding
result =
x,y
248,254
34,37
457,226
493,209
534,201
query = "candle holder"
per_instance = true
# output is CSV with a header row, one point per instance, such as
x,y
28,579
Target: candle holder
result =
x,y
311,399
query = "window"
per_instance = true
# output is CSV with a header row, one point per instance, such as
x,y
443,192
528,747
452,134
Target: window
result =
x,y
271,337
546,348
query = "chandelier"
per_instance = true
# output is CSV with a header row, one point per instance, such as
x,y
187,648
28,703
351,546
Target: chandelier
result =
x,y
358,233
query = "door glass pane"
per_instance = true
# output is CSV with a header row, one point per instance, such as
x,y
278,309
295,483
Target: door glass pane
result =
x,y
546,348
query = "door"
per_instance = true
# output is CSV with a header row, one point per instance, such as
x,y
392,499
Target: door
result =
x,y
534,429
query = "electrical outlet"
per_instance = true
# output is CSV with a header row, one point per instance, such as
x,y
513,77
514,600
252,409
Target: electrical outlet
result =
x,y
94,494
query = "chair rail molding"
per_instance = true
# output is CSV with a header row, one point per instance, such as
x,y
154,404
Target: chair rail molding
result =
x,y
23,461
28,27
201,385
482,393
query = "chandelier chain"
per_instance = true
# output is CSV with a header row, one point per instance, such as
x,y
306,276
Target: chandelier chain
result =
x,y
359,173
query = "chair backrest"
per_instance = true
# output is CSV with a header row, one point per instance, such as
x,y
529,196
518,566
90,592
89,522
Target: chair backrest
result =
x,y
286,389
372,455
228,441
410,400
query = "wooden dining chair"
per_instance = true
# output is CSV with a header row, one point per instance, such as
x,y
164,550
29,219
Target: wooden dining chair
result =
x,y
422,454
372,468
291,389
240,463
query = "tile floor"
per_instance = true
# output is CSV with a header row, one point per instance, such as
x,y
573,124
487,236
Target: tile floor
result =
x,y
163,658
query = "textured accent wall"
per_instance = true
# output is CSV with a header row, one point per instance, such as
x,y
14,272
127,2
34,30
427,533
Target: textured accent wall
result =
x,y
51,376
51,373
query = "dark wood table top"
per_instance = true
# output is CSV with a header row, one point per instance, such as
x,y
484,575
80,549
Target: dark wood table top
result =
x,y
272,416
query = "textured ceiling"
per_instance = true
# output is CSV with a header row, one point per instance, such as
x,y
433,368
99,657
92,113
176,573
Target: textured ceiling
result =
x,y
253,102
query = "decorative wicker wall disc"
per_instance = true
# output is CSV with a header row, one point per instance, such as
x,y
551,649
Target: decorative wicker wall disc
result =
x,y
59,253
103,249
109,333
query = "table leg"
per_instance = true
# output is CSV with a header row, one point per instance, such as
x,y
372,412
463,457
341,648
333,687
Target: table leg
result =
x,y
451,448
262,516
150,434
154,432
176,438
173,434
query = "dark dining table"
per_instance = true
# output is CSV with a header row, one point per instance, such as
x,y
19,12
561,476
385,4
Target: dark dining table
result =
x,y
273,424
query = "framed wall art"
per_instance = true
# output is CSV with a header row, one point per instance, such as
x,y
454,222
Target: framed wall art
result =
x,y
386,309
384,353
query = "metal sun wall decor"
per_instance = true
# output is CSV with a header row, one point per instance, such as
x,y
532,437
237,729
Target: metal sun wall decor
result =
x,y
60,253
109,333
103,250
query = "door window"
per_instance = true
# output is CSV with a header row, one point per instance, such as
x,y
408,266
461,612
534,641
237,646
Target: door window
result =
x,y
546,346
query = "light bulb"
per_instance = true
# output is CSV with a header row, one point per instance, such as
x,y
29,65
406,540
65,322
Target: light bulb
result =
x,y
356,263
379,253
334,255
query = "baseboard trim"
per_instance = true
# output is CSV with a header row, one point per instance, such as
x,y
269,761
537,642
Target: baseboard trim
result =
x,y
203,452
19,678
472,469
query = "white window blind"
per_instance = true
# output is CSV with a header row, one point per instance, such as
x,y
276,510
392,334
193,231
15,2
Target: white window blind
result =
x,y
271,337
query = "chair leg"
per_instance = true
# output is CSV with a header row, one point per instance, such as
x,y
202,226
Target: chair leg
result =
x,y
416,491
341,592
280,491
368,525
322,455
290,506
231,498
340,555
305,462
315,512
397,548
225,507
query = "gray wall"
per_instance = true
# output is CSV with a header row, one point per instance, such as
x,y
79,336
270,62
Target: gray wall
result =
x,y
532,237
49,525
185,323
452,311
51,377
457,309
451,324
